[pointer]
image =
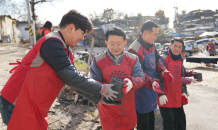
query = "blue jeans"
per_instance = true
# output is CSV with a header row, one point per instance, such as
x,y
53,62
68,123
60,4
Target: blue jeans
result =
x,y
6,110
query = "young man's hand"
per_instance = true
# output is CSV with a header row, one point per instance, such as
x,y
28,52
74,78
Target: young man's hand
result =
x,y
107,92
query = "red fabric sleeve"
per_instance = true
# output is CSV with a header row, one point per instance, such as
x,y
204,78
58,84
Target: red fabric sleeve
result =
x,y
137,82
149,81
160,68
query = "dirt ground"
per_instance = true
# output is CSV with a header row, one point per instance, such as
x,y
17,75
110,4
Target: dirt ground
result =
x,y
201,112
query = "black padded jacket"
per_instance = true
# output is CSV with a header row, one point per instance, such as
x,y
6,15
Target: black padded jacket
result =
x,y
53,52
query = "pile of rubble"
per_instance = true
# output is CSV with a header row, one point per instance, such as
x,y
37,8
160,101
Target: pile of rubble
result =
x,y
71,111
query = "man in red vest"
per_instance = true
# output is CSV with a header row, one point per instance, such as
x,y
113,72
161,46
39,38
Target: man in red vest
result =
x,y
116,62
170,103
149,58
39,77
211,48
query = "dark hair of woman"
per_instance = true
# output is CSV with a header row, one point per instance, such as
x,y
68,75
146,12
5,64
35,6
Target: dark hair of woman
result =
x,y
47,24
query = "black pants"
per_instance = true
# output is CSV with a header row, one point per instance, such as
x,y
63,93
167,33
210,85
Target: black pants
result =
x,y
211,54
173,118
145,121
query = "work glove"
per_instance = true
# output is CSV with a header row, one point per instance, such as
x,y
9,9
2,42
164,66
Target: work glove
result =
x,y
163,72
137,82
149,81
195,81
156,88
163,99
128,86
107,92
103,100
167,76
184,99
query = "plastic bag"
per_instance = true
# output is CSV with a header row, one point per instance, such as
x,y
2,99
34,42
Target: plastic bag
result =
x,y
206,53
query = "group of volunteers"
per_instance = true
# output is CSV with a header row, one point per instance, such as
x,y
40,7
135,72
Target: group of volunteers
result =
x,y
149,79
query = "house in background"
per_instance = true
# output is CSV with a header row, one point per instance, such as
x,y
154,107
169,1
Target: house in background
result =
x,y
196,22
56,28
106,27
24,28
8,30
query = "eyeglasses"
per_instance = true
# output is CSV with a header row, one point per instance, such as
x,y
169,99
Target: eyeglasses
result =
x,y
113,44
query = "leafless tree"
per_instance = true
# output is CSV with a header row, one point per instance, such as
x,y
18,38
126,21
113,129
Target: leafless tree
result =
x,y
9,7
107,15
33,3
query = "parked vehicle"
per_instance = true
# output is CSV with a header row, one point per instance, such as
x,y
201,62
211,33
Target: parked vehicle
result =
x,y
158,46
214,41
166,46
188,48
193,43
203,43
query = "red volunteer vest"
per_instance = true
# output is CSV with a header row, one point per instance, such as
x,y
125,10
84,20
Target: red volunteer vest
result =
x,y
12,87
173,90
210,47
117,117
40,87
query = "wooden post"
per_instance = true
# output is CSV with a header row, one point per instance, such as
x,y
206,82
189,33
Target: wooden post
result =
x,y
90,55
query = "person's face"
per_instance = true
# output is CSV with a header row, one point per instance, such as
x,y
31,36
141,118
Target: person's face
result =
x,y
183,55
74,36
115,44
176,48
209,42
150,37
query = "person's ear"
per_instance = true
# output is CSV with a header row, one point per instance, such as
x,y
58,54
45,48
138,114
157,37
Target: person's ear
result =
x,y
125,42
71,27
106,42
170,46
144,34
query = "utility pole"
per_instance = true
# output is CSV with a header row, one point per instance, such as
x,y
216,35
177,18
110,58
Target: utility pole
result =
x,y
176,18
29,22
34,31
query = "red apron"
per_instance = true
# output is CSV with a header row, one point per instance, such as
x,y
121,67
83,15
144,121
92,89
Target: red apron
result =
x,y
118,117
173,90
39,89
35,99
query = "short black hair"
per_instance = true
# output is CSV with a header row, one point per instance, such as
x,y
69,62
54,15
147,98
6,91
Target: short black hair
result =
x,y
148,25
115,31
178,39
183,49
47,24
80,21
